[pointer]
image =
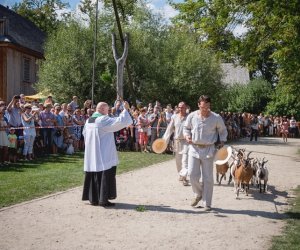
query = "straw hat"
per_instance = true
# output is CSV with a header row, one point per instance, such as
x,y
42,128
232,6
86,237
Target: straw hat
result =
x,y
159,146
223,155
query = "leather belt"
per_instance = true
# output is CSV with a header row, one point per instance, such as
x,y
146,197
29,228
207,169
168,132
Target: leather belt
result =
x,y
203,145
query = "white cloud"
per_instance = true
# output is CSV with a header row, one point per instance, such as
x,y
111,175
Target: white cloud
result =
x,y
166,11
240,30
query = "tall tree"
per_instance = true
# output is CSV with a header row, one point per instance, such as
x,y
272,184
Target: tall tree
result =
x,y
269,48
43,13
67,70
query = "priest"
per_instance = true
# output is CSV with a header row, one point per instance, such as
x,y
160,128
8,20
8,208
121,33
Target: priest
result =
x,y
100,157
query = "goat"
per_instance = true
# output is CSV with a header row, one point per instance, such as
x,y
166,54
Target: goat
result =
x,y
243,174
262,173
222,170
254,167
236,156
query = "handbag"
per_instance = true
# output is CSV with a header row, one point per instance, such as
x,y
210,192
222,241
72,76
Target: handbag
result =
x,y
58,133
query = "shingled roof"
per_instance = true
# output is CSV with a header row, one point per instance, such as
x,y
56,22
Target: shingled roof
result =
x,y
21,31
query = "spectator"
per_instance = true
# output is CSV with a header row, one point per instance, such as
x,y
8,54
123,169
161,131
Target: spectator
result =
x,y
29,131
153,121
161,125
12,146
293,127
68,119
64,109
58,131
22,99
118,108
169,113
254,128
14,114
48,121
78,122
87,105
49,100
143,127
284,128
74,103
3,138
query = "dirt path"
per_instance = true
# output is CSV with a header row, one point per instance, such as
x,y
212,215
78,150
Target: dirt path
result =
x,y
63,221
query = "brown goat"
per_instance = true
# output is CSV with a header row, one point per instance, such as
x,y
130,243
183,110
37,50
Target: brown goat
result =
x,y
222,170
243,174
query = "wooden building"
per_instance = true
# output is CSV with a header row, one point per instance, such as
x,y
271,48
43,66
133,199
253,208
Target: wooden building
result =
x,y
21,49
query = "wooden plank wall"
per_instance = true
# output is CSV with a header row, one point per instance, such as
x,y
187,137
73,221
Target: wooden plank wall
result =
x,y
3,77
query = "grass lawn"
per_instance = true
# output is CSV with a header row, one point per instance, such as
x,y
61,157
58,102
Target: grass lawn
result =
x,y
290,239
24,181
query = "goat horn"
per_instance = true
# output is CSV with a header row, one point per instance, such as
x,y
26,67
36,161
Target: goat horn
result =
x,y
249,154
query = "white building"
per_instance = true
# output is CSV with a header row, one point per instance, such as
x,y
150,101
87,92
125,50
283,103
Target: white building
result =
x,y
234,74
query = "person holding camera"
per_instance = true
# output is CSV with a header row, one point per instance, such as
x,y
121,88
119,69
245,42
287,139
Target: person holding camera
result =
x,y
14,114
28,117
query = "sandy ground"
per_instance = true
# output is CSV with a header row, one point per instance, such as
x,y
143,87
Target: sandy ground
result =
x,y
63,221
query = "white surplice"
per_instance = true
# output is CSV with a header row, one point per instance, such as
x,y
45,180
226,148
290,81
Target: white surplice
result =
x,y
100,149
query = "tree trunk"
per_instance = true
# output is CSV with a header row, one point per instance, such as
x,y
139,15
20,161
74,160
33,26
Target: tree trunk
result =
x,y
120,62
131,90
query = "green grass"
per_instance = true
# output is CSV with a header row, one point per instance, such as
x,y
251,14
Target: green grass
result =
x,y
24,181
290,239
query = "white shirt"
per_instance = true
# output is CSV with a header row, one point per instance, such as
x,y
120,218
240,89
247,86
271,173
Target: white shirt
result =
x,y
204,131
100,149
176,126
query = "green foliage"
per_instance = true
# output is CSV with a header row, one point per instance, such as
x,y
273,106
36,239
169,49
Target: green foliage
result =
x,y
252,97
166,64
67,70
43,13
269,48
285,101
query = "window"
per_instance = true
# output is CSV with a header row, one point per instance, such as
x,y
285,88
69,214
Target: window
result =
x,y
2,27
26,69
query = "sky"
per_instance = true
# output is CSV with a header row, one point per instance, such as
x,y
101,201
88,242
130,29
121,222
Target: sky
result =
x,y
160,6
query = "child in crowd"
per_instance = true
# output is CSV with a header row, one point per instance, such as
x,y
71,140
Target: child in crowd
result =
x,y
68,141
38,146
12,146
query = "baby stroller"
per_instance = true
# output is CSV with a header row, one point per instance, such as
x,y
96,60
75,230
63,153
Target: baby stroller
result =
x,y
122,140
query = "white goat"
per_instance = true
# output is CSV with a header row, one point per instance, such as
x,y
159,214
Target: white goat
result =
x,y
262,174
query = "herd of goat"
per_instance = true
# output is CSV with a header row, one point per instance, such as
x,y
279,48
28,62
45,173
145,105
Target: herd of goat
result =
x,y
243,171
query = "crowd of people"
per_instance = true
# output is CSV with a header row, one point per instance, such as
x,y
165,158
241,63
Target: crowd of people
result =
x,y
30,129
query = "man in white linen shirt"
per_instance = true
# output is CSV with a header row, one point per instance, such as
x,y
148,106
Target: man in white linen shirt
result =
x,y
201,131
100,157
180,144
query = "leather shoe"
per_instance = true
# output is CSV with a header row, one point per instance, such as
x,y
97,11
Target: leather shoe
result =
x,y
195,201
107,204
207,208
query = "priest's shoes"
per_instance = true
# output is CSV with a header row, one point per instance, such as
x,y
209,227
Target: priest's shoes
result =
x,y
107,204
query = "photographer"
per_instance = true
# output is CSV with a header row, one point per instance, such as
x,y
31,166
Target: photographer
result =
x,y
14,114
